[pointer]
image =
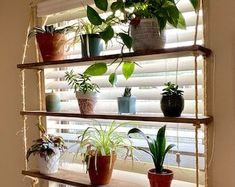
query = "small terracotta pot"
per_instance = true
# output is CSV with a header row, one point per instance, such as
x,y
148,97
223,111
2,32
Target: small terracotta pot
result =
x,y
51,46
160,180
86,102
102,173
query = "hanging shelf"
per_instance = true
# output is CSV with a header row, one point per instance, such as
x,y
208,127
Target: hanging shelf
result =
x,y
137,117
137,56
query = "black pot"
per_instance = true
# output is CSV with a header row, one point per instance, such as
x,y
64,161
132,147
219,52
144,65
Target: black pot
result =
x,y
92,45
172,106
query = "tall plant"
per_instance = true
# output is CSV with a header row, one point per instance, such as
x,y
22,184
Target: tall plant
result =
x,y
157,147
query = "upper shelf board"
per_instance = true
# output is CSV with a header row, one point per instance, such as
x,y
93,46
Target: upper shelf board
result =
x,y
191,119
137,56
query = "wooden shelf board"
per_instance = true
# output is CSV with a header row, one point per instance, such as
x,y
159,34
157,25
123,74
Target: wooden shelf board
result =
x,y
119,179
137,56
79,179
137,117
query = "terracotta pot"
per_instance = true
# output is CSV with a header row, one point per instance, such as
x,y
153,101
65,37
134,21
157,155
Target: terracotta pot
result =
x,y
160,180
51,46
101,174
86,102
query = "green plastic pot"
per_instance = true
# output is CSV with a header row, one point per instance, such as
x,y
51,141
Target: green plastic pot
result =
x,y
91,45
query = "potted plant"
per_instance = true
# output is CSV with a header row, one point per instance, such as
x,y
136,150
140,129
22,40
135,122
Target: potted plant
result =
x,y
91,42
127,103
172,101
158,176
99,146
51,41
86,91
48,149
148,20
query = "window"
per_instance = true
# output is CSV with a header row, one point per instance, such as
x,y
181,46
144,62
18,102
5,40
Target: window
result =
x,y
146,85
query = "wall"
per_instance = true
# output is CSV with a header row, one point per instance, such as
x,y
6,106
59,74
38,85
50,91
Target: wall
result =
x,y
221,28
13,21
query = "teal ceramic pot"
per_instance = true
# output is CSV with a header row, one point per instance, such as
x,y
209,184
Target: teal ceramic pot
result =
x,y
126,105
91,45
172,106
52,102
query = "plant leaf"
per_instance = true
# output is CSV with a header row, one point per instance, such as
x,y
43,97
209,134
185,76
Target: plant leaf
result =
x,y
181,22
127,40
107,34
93,16
96,69
102,4
113,79
195,4
128,68
119,4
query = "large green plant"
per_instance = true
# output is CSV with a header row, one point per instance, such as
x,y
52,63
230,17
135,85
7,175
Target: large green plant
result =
x,y
157,147
81,82
166,11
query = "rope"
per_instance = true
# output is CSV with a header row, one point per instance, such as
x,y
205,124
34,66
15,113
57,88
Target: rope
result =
x,y
197,126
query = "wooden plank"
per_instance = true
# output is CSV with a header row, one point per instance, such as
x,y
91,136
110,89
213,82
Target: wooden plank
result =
x,y
79,179
191,119
137,56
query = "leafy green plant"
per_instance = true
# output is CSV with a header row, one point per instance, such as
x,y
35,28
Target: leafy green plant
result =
x,y
171,89
165,11
157,147
127,92
46,145
102,141
81,82
48,29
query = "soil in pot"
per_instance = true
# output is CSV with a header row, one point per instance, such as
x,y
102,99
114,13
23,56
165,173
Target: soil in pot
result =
x,y
91,45
100,172
147,36
160,180
51,46
86,102
172,106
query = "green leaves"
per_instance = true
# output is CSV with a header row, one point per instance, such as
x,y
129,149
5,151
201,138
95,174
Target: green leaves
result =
x,y
127,40
117,5
107,34
157,146
102,4
128,68
93,16
113,79
195,4
96,69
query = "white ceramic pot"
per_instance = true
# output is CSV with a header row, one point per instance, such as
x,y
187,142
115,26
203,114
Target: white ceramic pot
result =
x,y
86,102
146,35
51,164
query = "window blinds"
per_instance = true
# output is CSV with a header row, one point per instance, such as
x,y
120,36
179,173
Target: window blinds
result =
x,y
146,84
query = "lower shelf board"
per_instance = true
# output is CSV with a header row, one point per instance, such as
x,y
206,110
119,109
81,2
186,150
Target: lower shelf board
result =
x,y
119,179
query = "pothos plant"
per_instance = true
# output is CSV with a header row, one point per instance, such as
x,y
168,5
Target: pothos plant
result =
x,y
107,34
157,146
46,145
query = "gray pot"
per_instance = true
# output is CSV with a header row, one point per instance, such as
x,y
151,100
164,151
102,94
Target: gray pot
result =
x,y
126,105
146,35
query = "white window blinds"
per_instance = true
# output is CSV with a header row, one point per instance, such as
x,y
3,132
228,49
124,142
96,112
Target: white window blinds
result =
x,y
147,83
